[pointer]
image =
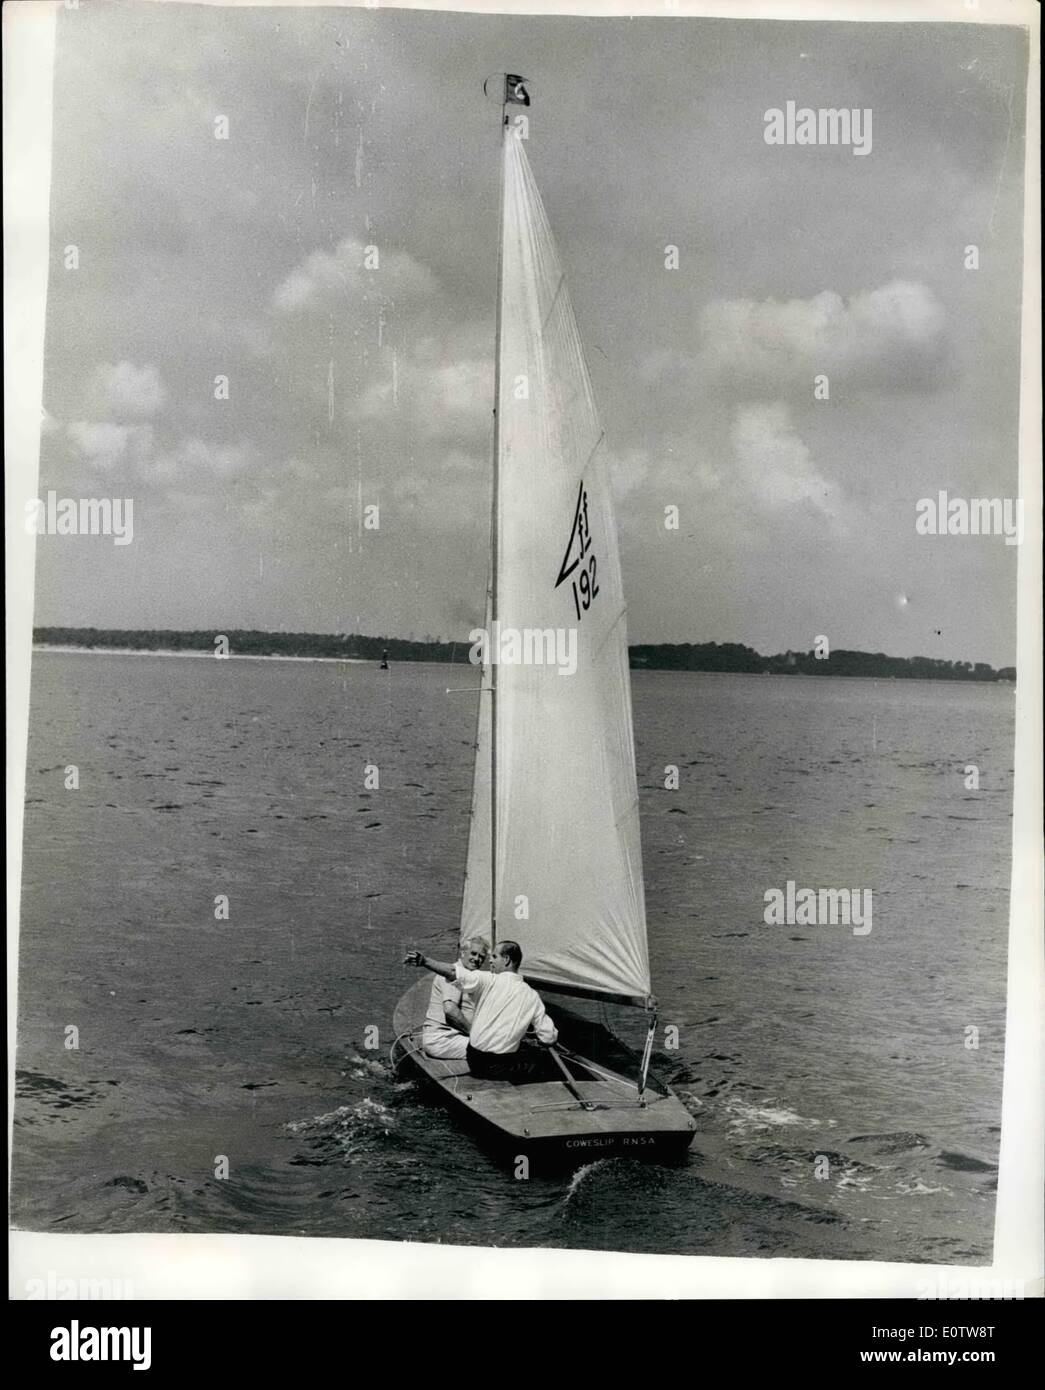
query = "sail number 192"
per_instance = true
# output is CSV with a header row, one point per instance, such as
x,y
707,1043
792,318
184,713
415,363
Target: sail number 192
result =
x,y
579,563
585,588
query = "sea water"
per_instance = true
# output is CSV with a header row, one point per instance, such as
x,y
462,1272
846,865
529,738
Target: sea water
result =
x,y
846,1088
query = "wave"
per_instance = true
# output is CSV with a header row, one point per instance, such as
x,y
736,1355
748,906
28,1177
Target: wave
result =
x,y
745,1118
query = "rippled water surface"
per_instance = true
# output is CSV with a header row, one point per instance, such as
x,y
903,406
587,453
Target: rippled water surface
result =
x,y
247,1038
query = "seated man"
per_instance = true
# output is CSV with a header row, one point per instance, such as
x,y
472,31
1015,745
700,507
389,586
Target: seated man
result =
x,y
505,1007
449,1016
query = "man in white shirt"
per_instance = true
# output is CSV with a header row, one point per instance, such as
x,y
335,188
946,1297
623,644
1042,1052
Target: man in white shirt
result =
x,y
450,1010
505,1008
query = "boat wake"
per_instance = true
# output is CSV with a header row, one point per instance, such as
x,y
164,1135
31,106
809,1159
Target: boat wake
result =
x,y
745,1118
360,1068
612,1184
345,1134
581,1176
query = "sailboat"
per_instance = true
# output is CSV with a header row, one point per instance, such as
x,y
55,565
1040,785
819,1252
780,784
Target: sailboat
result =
x,y
554,855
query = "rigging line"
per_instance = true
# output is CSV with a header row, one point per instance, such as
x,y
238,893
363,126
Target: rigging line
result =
x,y
591,455
594,447
598,1071
611,630
647,1054
595,1105
568,1079
409,1049
555,300
409,1033
626,810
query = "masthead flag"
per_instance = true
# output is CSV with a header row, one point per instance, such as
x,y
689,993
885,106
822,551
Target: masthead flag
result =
x,y
515,90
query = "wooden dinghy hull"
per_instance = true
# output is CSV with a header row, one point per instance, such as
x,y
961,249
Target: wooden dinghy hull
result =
x,y
542,1119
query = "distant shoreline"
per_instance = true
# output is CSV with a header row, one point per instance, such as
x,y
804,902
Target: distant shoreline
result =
x,y
100,650
726,657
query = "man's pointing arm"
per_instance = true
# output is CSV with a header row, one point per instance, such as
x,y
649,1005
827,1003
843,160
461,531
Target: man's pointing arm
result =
x,y
438,967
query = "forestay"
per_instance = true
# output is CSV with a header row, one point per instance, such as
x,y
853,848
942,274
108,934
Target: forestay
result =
x,y
568,856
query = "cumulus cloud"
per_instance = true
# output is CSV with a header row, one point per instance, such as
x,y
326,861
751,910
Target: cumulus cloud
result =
x,y
890,337
410,370
443,390
190,462
329,277
105,445
194,460
125,392
775,462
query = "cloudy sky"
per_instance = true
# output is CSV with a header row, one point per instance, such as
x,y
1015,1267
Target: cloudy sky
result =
x,y
243,257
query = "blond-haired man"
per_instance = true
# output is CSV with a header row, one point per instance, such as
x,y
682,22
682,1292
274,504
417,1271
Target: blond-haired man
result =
x,y
450,1010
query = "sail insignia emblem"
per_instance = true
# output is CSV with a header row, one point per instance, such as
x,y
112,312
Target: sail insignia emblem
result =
x,y
579,559
515,90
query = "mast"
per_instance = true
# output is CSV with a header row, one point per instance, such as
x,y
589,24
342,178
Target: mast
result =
x,y
514,91
494,526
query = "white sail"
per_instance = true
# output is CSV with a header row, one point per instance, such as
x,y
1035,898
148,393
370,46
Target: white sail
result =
x,y
568,858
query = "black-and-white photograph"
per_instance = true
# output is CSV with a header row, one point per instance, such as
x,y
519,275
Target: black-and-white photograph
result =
x,y
524,679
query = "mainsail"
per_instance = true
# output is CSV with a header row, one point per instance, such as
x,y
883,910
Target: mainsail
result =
x,y
558,781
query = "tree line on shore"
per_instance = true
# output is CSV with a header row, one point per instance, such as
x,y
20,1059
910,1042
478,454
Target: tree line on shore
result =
x,y
664,656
